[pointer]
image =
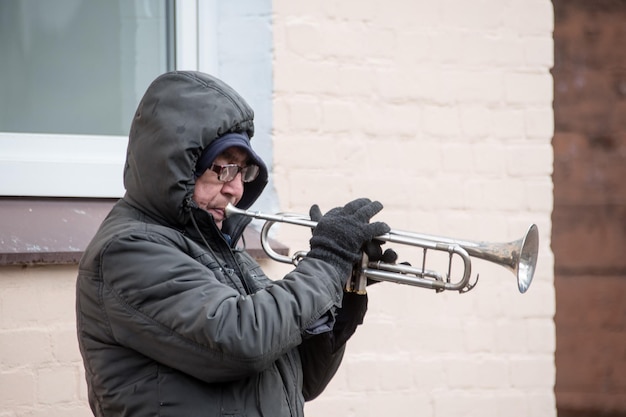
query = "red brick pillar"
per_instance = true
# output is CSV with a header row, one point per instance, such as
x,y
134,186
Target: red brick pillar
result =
x,y
589,219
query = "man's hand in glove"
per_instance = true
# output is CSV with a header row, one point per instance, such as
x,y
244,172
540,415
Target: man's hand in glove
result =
x,y
374,251
341,233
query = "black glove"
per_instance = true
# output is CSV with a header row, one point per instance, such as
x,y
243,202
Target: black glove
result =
x,y
375,253
349,316
341,233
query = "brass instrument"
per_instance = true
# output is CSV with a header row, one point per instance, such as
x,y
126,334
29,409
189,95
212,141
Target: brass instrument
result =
x,y
519,257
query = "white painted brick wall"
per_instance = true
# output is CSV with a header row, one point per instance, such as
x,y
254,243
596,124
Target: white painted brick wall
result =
x,y
40,367
443,111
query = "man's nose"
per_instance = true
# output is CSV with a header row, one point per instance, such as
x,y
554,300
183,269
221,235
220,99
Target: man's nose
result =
x,y
234,186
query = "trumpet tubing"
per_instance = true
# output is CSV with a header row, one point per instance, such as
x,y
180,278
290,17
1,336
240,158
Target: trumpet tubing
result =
x,y
519,256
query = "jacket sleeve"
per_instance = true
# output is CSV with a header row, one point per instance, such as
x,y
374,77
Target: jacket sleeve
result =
x,y
322,354
160,301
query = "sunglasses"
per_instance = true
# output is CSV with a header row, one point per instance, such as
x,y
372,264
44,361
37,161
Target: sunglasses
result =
x,y
228,172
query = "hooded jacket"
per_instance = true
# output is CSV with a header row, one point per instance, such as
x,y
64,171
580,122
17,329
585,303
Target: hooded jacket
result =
x,y
168,326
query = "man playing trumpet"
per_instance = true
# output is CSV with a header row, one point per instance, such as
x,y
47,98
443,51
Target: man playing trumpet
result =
x,y
173,318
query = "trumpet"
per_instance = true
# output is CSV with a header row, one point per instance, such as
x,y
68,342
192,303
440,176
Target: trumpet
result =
x,y
519,256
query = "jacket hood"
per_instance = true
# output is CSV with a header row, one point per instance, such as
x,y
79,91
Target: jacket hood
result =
x,y
180,114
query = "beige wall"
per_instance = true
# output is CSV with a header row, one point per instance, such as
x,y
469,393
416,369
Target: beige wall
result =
x,y
443,111
41,371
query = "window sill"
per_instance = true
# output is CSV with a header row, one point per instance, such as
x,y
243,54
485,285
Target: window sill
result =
x,y
45,231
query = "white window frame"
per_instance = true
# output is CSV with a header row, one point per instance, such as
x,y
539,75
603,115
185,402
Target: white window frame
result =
x,y
53,165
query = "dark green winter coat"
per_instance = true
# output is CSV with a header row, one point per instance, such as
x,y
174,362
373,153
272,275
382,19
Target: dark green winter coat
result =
x,y
170,327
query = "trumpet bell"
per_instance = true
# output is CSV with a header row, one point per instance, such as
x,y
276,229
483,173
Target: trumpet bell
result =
x,y
527,262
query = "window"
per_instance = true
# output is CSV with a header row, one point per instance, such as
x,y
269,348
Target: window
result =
x,y
73,73
78,67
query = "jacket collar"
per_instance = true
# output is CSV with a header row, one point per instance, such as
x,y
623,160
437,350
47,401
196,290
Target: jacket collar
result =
x,y
233,226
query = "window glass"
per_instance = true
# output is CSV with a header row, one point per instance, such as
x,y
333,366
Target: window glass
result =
x,y
79,66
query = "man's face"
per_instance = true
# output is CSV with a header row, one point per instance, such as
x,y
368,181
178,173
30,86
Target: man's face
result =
x,y
213,195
